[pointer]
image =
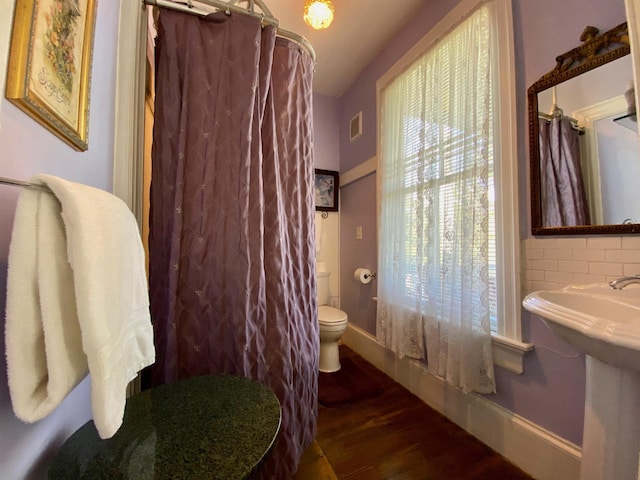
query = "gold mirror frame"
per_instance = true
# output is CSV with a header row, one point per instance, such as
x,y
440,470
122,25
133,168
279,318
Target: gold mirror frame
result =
x,y
595,51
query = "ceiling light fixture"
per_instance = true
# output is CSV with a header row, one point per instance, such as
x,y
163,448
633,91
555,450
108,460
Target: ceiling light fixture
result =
x,y
318,13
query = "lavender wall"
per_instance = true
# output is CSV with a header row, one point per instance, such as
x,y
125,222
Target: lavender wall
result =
x,y
551,391
27,149
361,96
358,210
326,150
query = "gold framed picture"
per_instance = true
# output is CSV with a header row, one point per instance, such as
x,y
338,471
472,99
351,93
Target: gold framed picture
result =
x,y
49,72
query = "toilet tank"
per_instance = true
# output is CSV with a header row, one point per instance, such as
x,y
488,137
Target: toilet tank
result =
x,y
323,286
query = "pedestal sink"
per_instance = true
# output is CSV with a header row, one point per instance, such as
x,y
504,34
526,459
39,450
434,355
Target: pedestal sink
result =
x,y
604,324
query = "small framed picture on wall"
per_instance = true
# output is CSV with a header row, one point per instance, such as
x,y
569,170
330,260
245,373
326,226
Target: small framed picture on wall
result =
x,y
327,186
49,72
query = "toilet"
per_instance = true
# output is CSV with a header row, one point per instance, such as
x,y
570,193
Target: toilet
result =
x,y
333,323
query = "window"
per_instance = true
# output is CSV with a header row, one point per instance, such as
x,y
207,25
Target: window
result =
x,y
447,134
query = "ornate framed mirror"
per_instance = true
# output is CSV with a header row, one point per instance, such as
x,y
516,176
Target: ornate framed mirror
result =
x,y
584,154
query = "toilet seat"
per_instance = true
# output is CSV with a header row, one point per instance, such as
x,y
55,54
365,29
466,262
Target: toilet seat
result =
x,y
328,315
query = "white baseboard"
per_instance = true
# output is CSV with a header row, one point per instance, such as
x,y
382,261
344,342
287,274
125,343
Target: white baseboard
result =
x,y
535,450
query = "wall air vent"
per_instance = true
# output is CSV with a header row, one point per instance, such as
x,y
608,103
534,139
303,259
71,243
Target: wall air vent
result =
x,y
355,127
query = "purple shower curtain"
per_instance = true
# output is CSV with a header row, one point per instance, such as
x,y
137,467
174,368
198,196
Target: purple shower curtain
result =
x,y
564,201
232,276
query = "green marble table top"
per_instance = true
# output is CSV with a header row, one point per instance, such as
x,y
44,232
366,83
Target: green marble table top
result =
x,y
210,427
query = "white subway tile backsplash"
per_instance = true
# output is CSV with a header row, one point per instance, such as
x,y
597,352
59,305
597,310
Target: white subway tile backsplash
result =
x,y
622,256
537,275
556,262
558,253
589,255
543,286
604,243
602,268
631,269
551,265
631,243
580,278
535,253
572,243
573,266
559,277
541,243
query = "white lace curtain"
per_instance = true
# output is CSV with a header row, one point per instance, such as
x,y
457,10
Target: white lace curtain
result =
x,y
437,245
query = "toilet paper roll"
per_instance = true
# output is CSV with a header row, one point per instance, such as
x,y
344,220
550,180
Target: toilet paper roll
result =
x,y
362,275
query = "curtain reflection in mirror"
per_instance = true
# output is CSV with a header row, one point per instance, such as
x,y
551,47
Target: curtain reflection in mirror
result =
x,y
564,202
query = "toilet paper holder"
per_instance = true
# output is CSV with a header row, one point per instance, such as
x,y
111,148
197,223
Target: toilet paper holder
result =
x,y
363,275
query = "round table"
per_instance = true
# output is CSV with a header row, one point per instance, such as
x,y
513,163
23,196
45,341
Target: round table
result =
x,y
209,427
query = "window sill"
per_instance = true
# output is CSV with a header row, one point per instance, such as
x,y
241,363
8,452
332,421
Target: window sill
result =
x,y
509,353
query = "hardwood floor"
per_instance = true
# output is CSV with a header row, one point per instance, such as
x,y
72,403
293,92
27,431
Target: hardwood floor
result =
x,y
396,436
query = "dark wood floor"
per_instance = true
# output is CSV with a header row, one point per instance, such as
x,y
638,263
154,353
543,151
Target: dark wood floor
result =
x,y
396,436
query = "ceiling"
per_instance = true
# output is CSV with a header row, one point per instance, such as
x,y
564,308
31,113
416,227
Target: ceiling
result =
x,y
360,29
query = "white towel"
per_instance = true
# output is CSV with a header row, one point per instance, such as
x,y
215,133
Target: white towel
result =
x,y
77,301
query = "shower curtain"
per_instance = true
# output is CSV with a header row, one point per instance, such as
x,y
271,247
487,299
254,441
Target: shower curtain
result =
x,y
232,275
564,200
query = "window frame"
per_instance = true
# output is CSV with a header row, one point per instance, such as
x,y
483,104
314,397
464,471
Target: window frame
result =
x,y
508,347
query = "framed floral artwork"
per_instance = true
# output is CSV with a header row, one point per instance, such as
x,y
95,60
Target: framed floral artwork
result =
x,y
49,72
327,186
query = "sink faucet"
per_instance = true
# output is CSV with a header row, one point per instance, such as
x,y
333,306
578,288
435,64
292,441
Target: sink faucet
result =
x,y
620,283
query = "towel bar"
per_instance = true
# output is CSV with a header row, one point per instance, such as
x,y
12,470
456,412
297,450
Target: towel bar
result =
x,y
21,183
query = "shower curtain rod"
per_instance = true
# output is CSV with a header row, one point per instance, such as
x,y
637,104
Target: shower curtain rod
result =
x,y
574,122
228,8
